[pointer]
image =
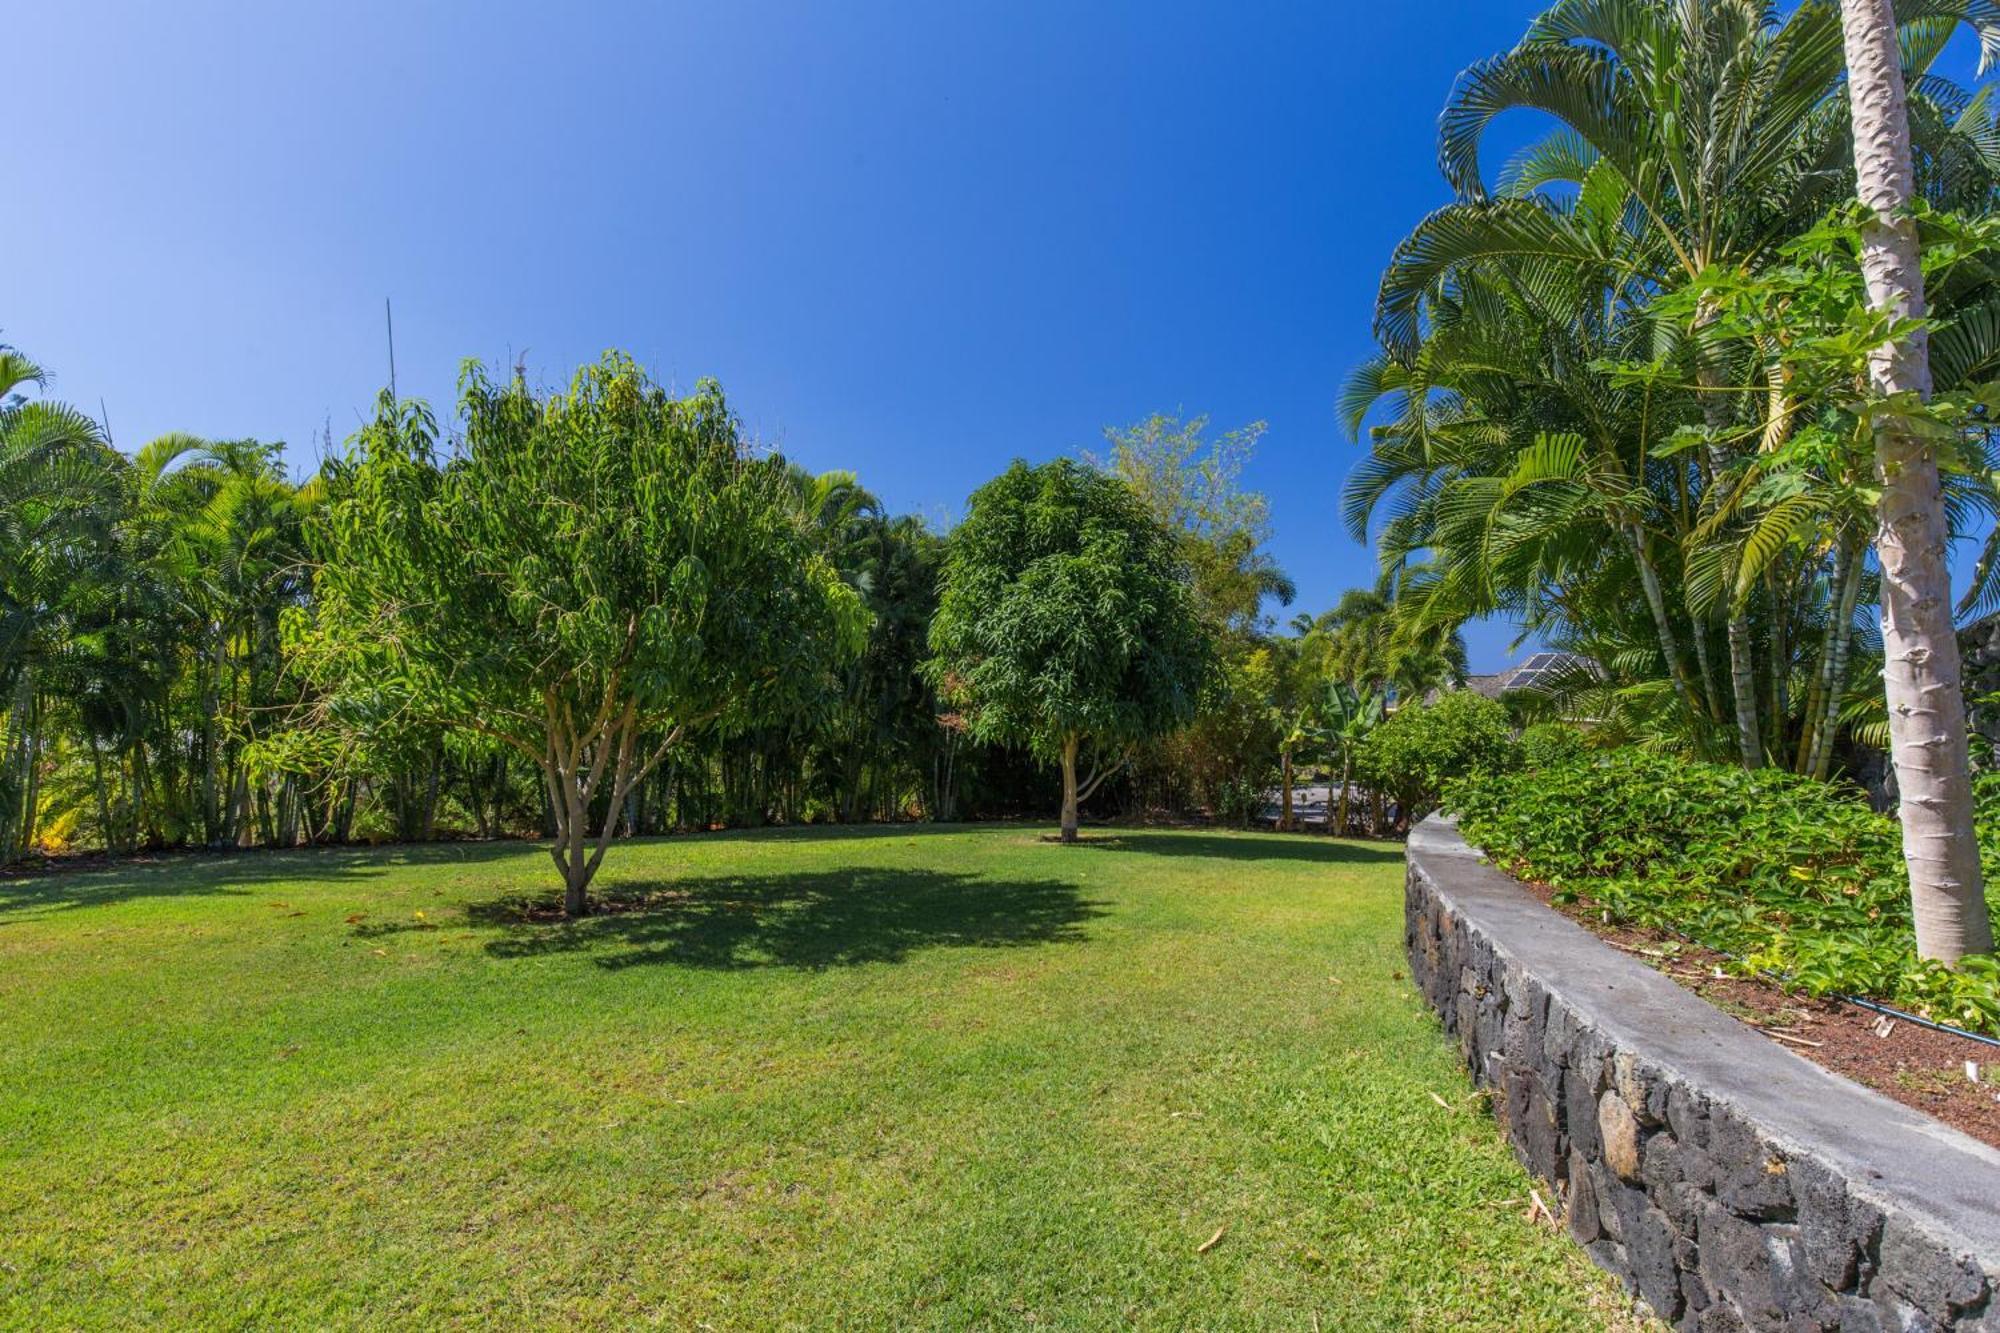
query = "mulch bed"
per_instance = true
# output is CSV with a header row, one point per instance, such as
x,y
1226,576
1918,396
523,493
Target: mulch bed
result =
x,y
1917,1066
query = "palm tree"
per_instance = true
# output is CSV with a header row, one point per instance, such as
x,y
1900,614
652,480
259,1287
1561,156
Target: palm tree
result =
x,y
1701,134
220,529
1920,647
1517,475
59,486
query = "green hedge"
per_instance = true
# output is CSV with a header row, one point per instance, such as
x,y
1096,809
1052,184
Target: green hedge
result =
x,y
1792,876
1421,746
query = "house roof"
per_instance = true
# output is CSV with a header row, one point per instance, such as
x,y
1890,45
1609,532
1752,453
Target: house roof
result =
x,y
1536,671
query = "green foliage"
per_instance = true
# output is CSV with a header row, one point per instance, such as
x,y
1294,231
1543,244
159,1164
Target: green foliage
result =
x,y
1421,747
173,673
1230,754
587,579
1065,612
1547,743
608,542
1589,376
1227,757
882,733
1366,648
63,500
1191,485
1791,876
1351,716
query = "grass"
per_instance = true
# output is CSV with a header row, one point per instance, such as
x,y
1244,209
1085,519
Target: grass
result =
x,y
888,1078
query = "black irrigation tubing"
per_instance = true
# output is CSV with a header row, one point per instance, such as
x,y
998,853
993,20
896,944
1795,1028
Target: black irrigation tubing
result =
x,y
1907,1017
1875,1005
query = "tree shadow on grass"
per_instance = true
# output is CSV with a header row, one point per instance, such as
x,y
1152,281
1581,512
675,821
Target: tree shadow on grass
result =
x,y
1245,846
177,874
806,921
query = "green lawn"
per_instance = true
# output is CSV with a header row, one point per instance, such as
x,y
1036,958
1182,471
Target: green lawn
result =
x,y
887,1078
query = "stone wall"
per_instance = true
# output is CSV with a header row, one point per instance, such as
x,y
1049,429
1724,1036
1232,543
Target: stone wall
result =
x,y
1726,1181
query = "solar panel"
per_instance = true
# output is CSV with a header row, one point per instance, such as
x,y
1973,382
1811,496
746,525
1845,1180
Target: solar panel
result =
x,y
1541,670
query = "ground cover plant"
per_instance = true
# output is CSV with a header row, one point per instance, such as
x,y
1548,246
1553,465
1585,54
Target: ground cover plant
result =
x,y
1796,877
890,1077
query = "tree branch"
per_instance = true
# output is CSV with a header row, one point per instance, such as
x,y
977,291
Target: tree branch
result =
x,y
1099,773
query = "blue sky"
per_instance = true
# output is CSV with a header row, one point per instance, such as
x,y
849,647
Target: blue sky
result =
x,y
916,240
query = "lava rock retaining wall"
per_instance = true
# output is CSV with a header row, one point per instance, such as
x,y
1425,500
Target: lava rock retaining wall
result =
x,y
1727,1182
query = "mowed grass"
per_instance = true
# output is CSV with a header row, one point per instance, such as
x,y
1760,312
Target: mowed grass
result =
x,y
957,1078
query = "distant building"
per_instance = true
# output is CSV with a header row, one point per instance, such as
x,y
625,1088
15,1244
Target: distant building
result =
x,y
1536,670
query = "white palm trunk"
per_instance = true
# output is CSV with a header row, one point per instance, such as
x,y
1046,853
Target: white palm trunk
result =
x,y
1919,642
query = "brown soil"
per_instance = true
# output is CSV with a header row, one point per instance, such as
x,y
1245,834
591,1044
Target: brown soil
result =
x,y
1917,1066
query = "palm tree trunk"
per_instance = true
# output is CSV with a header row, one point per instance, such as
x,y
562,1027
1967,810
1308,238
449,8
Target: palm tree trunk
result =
x,y
1919,643
1824,718
431,790
240,833
1779,648
1699,633
1742,665
103,795
211,814
20,833
1663,625
1743,684
31,807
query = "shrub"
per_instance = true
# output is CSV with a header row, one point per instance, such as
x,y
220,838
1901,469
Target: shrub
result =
x,y
1788,875
1238,801
1421,747
1548,743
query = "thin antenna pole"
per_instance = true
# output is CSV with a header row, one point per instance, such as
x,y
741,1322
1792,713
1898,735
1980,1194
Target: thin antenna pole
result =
x,y
104,418
389,317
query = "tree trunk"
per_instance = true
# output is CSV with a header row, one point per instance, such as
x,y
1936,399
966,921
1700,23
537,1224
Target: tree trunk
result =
x,y
579,769
1698,631
103,796
1825,721
343,819
239,831
477,786
211,817
571,808
578,873
429,821
1716,415
1285,766
31,777
1780,668
1346,770
1743,685
1919,643
1069,789
138,818
1663,625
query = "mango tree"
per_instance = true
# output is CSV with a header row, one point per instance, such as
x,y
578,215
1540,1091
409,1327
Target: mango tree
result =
x,y
587,577
1066,622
